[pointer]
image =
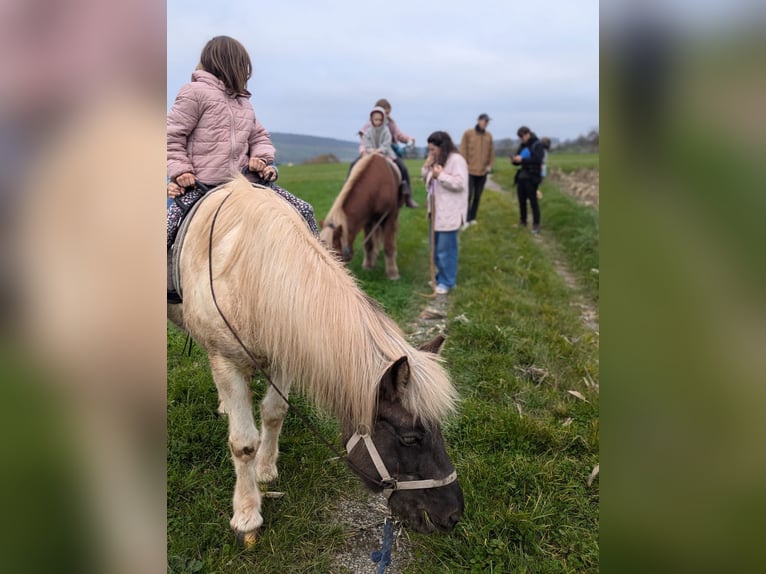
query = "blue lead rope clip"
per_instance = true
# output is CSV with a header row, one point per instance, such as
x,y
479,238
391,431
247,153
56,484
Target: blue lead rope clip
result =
x,y
383,556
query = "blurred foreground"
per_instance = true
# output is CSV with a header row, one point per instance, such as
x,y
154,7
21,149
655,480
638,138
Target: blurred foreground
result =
x,y
683,287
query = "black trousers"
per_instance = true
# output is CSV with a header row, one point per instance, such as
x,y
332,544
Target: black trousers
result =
x,y
475,188
526,190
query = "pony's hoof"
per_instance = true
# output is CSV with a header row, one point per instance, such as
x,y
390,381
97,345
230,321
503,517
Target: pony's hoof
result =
x,y
247,539
393,276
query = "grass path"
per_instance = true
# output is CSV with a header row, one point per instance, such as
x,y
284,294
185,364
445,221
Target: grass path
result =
x,y
523,444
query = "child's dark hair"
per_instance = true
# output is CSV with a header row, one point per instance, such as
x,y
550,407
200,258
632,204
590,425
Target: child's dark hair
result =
x,y
546,142
227,60
523,130
445,145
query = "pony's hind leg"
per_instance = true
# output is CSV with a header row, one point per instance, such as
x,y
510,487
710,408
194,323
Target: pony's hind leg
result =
x,y
371,248
236,398
389,247
273,410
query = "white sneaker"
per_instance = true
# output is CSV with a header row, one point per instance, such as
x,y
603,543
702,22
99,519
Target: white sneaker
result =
x,y
465,226
473,222
442,290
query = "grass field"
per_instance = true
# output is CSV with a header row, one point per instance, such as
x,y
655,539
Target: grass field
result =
x,y
522,444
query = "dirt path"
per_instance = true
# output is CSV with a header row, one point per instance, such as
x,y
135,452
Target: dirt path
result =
x,y
588,312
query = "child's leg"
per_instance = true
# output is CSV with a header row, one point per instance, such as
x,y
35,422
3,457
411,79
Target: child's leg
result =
x,y
406,187
174,220
302,207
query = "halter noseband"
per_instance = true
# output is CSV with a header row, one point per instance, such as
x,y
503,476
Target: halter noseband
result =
x,y
389,483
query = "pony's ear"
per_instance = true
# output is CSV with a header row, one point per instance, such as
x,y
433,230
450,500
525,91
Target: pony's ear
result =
x,y
434,346
395,379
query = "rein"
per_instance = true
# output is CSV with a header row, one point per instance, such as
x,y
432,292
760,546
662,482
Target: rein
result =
x,y
374,227
388,483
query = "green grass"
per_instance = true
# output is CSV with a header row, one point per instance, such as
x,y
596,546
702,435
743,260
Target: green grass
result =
x,y
572,161
522,471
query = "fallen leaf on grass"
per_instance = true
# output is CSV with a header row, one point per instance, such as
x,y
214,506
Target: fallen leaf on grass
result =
x,y
431,313
462,318
593,475
589,382
272,494
534,374
579,395
518,408
567,422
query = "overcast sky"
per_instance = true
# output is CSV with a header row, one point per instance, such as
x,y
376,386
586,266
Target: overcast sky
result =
x,y
320,66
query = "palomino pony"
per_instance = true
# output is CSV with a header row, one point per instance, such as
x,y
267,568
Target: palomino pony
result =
x,y
369,200
303,318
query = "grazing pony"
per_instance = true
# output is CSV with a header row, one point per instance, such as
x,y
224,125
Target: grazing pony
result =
x,y
303,317
369,200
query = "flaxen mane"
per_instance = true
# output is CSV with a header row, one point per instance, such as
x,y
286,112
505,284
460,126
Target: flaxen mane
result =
x,y
337,216
296,304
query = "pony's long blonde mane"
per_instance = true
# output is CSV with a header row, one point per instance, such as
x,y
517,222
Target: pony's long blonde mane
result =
x,y
336,217
294,303
353,177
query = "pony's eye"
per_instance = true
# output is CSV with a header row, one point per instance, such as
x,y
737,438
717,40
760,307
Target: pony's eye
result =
x,y
409,440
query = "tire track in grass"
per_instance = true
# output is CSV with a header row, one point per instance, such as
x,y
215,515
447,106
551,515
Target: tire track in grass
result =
x,y
588,311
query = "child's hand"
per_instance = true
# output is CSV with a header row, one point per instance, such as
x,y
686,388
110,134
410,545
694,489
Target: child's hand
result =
x,y
256,164
269,173
186,180
174,190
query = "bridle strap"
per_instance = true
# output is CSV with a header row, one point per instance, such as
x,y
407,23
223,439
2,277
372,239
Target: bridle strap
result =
x,y
429,483
391,484
373,452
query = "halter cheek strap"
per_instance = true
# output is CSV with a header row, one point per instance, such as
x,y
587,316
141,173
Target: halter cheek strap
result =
x,y
391,484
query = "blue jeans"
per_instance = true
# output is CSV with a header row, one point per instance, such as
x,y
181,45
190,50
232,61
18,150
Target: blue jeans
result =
x,y
445,257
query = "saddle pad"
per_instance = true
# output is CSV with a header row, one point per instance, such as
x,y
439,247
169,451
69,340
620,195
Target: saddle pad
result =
x,y
395,170
177,247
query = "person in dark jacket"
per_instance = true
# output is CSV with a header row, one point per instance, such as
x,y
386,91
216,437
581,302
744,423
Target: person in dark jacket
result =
x,y
529,158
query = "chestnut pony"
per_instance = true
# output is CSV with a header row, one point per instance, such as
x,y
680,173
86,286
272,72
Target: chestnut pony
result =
x,y
369,201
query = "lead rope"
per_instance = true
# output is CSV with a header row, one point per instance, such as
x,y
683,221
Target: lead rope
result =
x,y
382,557
304,419
376,226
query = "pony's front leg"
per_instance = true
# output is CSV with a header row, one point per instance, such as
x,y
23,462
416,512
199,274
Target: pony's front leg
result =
x,y
389,247
273,410
370,248
236,398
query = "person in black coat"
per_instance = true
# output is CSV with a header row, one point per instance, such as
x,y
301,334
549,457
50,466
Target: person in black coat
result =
x,y
529,158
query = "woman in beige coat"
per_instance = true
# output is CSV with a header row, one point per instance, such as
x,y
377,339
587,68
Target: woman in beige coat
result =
x,y
446,175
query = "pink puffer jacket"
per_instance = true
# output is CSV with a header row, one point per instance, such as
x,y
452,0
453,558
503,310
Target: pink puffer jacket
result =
x,y
450,193
213,135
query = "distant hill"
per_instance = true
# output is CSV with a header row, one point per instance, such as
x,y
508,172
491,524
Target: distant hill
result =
x,y
296,148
